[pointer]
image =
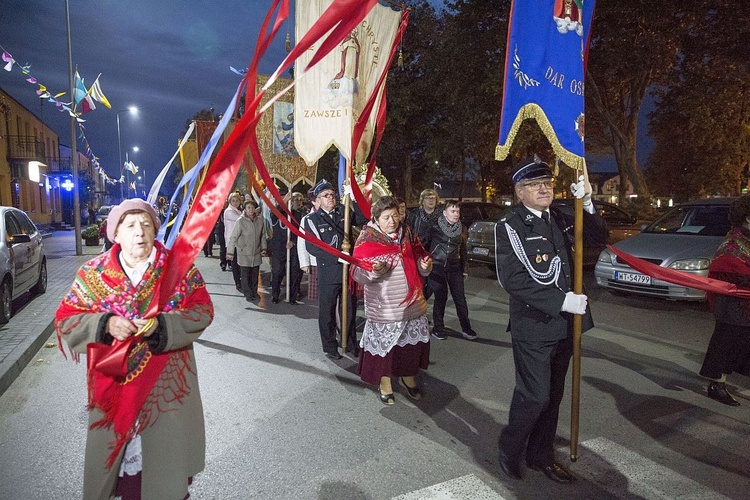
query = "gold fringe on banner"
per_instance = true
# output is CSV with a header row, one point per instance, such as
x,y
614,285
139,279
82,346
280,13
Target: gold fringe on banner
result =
x,y
535,111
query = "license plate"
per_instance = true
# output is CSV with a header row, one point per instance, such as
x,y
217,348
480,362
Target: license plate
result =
x,y
480,251
641,279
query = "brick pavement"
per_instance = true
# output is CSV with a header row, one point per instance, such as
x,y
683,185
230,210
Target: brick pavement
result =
x,y
31,324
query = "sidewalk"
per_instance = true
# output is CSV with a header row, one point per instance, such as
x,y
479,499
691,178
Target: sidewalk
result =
x,y
31,324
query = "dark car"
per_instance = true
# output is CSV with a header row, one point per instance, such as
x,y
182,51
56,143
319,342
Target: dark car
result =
x,y
480,245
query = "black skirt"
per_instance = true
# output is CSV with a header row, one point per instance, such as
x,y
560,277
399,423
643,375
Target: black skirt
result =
x,y
728,351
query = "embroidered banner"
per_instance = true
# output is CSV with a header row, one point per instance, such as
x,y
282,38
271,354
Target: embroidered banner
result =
x,y
332,94
544,74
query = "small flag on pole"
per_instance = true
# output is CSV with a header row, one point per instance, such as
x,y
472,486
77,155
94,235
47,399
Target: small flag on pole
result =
x,y
96,93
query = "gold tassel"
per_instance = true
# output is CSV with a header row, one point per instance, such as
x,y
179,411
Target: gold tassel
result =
x,y
400,57
288,43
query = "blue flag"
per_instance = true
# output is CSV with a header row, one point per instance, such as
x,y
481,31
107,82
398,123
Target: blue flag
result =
x,y
544,74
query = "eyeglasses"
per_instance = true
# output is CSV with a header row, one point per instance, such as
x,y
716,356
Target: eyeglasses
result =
x,y
327,195
537,185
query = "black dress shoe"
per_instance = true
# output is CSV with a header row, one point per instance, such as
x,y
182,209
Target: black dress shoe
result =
x,y
555,472
275,300
718,391
509,469
334,355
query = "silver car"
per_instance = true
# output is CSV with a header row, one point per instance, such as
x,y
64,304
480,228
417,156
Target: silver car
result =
x,y
23,265
684,238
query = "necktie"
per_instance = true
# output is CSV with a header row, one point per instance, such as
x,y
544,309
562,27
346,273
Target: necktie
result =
x,y
545,216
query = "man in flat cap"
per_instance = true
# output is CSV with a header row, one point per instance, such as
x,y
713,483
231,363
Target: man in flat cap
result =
x,y
534,256
327,223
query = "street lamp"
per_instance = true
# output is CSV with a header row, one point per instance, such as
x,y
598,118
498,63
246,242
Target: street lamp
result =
x,y
127,172
133,110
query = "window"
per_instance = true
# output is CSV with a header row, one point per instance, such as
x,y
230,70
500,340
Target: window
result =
x,y
11,225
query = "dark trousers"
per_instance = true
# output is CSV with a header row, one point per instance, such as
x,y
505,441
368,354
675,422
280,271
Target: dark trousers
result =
x,y
249,280
222,249
329,295
208,248
439,282
278,272
541,367
236,269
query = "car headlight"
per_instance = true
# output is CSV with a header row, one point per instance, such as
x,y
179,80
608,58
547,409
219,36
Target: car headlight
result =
x,y
605,256
691,264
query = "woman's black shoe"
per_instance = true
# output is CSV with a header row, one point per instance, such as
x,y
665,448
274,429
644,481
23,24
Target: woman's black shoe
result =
x,y
387,399
718,391
414,392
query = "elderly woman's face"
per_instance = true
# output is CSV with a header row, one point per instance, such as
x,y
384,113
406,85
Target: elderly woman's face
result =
x,y
136,234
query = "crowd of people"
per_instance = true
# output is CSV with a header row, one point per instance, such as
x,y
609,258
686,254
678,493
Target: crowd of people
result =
x,y
402,262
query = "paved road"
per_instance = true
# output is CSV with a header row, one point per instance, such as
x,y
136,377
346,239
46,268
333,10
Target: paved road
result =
x,y
284,422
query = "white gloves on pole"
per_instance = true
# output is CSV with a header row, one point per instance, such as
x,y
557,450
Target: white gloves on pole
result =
x,y
579,191
574,303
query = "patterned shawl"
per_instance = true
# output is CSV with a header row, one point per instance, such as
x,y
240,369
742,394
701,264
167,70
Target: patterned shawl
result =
x,y
101,286
373,245
731,263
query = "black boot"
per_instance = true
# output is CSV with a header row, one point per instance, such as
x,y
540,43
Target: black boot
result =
x,y
718,391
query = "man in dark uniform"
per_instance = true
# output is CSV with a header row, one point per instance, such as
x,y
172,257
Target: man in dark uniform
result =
x,y
278,244
534,252
327,223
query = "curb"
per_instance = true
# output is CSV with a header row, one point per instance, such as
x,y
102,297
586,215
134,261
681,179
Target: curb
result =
x,y
30,345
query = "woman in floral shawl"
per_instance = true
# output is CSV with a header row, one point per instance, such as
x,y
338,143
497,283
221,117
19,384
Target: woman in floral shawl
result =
x,y
146,436
396,338
729,348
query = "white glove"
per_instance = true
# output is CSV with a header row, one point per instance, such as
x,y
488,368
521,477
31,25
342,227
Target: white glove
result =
x,y
574,303
579,191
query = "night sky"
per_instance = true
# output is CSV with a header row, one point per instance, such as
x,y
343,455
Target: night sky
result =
x,y
169,58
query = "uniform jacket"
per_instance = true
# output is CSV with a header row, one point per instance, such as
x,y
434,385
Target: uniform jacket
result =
x,y
330,229
249,239
535,308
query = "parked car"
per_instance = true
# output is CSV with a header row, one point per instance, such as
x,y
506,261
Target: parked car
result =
x,y
684,238
23,264
480,245
102,213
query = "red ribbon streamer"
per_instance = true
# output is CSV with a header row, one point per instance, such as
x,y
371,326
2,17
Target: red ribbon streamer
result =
x,y
680,277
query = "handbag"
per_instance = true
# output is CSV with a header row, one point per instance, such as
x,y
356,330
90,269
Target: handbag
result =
x,y
113,360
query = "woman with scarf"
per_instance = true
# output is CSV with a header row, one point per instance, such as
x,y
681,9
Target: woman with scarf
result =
x,y
248,239
395,341
448,249
146,435
729,347
231,214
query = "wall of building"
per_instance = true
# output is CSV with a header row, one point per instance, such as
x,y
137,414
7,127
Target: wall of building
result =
x,y
25,138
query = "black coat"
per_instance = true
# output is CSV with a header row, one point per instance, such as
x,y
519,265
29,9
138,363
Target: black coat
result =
x,y
535,308
447,251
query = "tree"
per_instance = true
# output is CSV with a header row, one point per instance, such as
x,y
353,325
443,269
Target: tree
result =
x,y
471,59
402,153
701,124
634,46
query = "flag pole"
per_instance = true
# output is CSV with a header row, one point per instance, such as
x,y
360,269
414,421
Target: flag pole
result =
x,y
345,247
288,250
577,319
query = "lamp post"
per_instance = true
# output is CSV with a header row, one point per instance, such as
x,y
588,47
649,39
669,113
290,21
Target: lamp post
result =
x,y
73,152
133,110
